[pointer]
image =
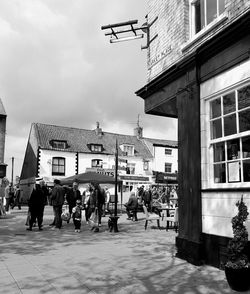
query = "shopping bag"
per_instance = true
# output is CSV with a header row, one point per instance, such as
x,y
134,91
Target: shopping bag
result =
x,y
65,213
93,220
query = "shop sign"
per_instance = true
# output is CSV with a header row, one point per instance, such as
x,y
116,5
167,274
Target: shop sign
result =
x,y
134,178
103,171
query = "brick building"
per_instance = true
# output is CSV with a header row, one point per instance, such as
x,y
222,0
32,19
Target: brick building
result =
x,y
199,72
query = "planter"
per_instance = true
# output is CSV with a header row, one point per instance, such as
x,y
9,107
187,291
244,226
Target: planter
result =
x,y
238,279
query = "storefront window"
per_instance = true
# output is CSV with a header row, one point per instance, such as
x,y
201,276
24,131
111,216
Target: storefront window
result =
x,y
230,136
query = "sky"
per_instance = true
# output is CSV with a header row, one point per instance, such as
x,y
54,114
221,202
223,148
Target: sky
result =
x,y
58,67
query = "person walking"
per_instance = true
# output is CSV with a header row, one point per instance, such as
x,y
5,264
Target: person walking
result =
x,y
36,204
99,201
17,197
77,216
8,194
86,206
57,198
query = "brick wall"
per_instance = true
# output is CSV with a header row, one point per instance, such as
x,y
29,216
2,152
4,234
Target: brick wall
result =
x,y
172,26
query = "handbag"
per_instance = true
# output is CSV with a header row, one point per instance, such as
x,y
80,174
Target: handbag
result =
x,y
93,220
65,213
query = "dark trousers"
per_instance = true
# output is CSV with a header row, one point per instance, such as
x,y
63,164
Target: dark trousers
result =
x,y
77,224
58,218
88,212
36,213
7,204
132,212
17,203
100,214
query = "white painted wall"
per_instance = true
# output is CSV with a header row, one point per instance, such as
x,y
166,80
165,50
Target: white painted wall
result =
x,y
46,162
219,207
160,158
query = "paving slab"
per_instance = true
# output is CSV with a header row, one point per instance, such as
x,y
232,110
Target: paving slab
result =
x,y
130,261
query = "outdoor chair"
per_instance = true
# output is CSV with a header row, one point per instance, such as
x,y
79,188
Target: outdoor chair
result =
x,y
173,218
151,217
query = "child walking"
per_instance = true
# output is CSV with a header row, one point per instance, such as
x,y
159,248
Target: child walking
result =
x,y
77,216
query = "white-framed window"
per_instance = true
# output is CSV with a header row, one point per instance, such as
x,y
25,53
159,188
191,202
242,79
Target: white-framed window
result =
x,y
168,167
96,163
229,125
96,148
204,12
130,169
58,166
146,165
128,150
168,151
59,144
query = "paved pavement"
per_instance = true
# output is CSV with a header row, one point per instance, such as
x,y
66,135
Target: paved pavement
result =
x,y
130,261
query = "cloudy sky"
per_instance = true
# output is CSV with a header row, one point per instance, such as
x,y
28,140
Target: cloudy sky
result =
x,y
57,67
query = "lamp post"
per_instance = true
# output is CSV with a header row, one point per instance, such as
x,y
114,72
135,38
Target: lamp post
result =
x,y
114,218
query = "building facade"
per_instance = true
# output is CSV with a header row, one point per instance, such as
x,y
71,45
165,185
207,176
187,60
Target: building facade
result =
x,y
58,152
199,72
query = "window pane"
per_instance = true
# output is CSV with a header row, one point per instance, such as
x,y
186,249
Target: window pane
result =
x,y
233,149
229,103
233,171
246,147
202,13
219,152
221,6
244,97
219,173
211,10
61,169
197,16
244,120
230,125
216,129
55,161
55,168
61,161
246,170
215,107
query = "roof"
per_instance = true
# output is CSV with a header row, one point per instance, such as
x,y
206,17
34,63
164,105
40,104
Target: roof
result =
x,y
2,110
79,139
162,143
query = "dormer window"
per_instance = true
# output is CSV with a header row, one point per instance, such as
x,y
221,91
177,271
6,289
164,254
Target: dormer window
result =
x,y
59,144
95,147
128,150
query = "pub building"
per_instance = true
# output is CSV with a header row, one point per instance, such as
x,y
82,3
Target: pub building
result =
x,y
199,73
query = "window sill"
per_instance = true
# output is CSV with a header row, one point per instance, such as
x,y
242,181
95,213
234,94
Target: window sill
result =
x,y
201,34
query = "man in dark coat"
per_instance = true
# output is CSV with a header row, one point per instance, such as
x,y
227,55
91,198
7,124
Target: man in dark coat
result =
x,y
57,198
36,203
73,194
132,206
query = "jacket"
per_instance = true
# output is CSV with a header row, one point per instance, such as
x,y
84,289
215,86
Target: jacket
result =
x,y
57,195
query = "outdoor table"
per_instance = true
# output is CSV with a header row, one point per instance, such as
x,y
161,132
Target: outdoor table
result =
x,y
168,213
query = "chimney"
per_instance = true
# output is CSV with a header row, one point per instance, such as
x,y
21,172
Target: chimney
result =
x,y
138,132
98,130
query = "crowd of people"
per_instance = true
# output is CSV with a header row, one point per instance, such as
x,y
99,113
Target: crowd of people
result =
x,y
94,200
152,197
11,198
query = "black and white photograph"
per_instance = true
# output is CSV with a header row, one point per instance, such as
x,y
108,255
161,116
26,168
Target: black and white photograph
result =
x,y
124,146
